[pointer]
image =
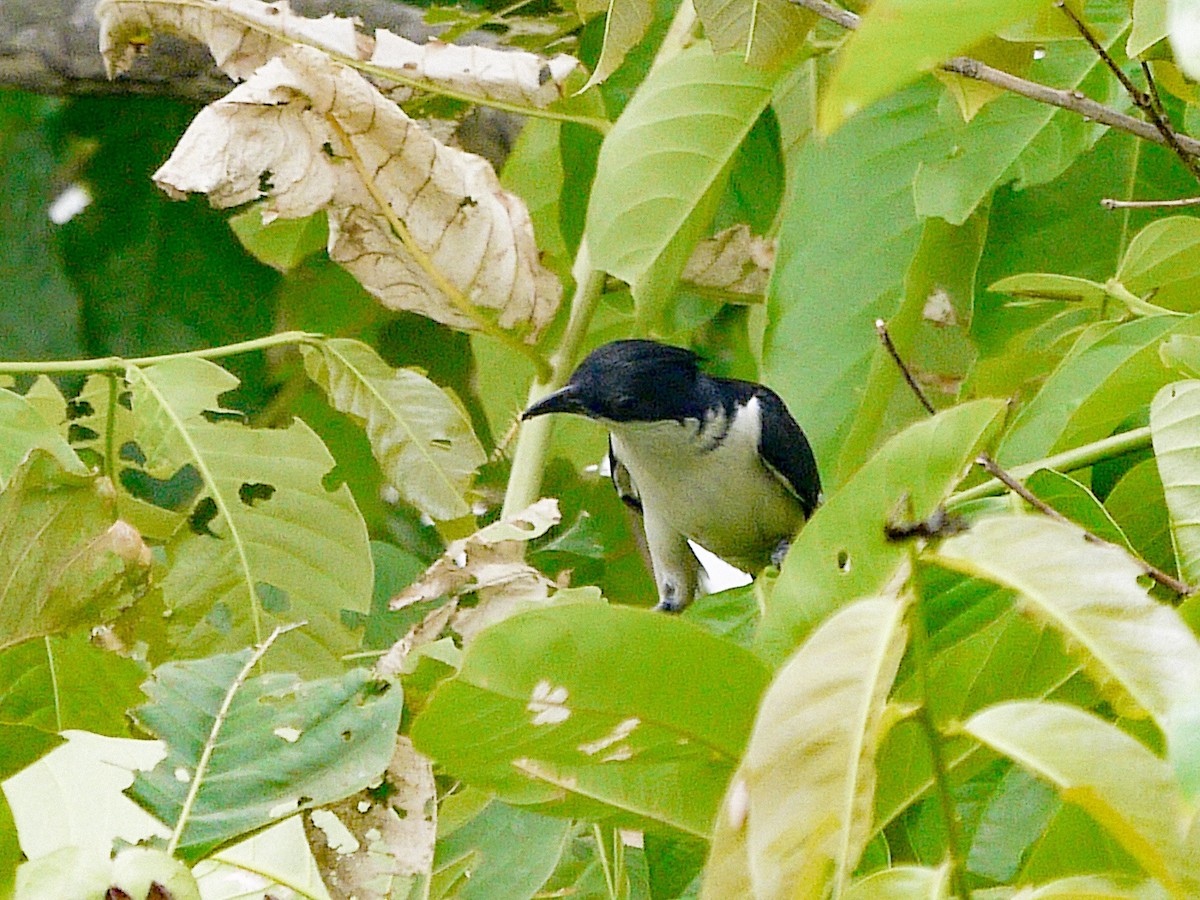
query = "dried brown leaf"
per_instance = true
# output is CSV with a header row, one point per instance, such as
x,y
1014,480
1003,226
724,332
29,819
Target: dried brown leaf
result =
x,y
733,261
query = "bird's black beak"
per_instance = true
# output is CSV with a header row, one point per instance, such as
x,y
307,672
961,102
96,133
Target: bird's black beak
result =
x,y
564,400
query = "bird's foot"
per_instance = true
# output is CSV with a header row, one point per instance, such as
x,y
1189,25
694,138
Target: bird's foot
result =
x,y
780,551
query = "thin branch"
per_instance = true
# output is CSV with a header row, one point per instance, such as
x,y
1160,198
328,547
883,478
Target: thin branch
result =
x,y
1147,101
941,772
996,471
1168,581
882,330
1071,100
1112,203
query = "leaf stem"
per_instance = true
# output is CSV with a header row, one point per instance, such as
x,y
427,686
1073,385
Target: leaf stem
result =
x,y
1072,100
605,865
117,364
1068,461
941,774
218,721
451,291
533,440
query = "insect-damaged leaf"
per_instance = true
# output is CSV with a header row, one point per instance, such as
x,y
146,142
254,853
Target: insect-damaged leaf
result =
x,y
422,226
267,543
420,435
280,745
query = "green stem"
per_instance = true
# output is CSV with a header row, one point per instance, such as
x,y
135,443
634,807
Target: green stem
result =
x,y
110,440
1067,461
533,440
450,35
941,774
117,364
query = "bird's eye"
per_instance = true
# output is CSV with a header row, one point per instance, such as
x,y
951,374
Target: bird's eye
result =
x,y
624,403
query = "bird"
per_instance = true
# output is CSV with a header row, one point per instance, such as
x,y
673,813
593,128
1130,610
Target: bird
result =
x,y
717,461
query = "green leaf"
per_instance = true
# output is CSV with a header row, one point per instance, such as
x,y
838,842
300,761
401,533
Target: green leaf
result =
x,y
678,133
421,437
840,266
22,429
242,754
1098,767
66,562
1132,647
1163,258
1174,420
1149,26
66,682
510,852
902,883
842,553
807,784
267,543
1077,503
1012,139
282,244
1138,506
1048,286
1093,391
764,33
625,24
540,685
897,40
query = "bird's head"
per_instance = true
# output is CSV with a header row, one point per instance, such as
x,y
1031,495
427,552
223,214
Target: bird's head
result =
x,y
628,381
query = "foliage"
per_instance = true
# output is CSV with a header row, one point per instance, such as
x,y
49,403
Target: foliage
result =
x,y
312,614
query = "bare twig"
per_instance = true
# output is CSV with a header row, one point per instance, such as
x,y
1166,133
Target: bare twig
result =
x,y
1073,101
996,471
882,330
1147,101
993,468
1112,203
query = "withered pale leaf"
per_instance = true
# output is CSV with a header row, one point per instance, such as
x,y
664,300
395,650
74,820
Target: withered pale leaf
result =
x,y
491,564
242,35
279,136
733,261
515,76
393,831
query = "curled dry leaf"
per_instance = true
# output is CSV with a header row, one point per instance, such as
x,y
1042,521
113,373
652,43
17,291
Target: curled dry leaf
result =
x,y
491,564
734,261
514,76
242,35
309,134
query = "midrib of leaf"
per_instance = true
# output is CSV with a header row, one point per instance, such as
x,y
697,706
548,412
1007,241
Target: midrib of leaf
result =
x,y
210,480
54,691
413,438
571,785
854,769
211,742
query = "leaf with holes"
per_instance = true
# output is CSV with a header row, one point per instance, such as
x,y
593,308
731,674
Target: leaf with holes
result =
x,y
1139,652
806,786
65,561
267,543
656,753
843,553
420,435
243,753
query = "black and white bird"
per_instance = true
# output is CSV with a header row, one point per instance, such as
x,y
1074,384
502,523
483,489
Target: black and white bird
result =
x,y
713,460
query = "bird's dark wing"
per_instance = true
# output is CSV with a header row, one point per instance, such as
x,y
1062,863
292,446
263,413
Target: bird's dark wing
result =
x,y
623,482
785,450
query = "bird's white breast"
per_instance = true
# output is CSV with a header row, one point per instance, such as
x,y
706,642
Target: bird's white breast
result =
x,y
707,481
